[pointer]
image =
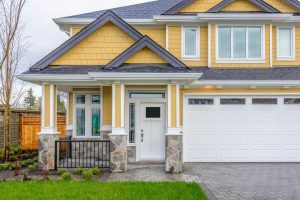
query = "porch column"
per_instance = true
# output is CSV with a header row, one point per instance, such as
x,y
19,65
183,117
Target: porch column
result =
x,y
118,137
174,133
48,133
69,114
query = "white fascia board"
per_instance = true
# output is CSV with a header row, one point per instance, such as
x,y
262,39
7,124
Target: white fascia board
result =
x,y
240,83
145,76
53,77
176,18
85,21
244,16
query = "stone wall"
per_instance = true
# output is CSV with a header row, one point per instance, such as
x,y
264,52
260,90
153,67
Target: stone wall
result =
x,y
174,153
118,156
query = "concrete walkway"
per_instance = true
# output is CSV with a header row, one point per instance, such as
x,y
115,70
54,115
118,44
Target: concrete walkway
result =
x,y
227,181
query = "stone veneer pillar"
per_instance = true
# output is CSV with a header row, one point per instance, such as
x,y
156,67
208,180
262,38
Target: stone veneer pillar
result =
x,y
48,133
174,153
118,155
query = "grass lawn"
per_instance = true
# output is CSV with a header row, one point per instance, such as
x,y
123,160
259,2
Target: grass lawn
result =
x,y
96,190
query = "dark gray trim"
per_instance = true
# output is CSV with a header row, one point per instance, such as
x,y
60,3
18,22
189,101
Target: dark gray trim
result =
x,y
264,6
175,9
146,42
108,16
294,3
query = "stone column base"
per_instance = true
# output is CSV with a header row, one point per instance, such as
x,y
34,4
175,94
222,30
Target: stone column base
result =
x,y
118,155
47,150
174,153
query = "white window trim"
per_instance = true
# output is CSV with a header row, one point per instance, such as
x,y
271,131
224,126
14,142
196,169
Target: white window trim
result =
x,y
240,60
293,46
187,57
88,134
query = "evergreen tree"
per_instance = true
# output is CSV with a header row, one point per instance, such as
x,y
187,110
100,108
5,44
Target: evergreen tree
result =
x,y
30,100
60,102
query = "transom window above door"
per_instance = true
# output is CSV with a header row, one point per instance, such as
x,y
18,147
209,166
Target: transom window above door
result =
x,y
150,95
240,43
87,115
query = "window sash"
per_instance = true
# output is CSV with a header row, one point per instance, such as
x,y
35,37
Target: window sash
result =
x,y
285,46
193,51
232,50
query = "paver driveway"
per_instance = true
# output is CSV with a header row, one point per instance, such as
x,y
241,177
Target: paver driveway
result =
x,y
228,181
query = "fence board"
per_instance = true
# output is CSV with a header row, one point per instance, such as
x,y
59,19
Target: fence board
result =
x,y
30,126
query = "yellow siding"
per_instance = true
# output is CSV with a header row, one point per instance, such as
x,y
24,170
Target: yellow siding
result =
x,y
281,6
97,90
277,62
47,106
145,56
242,5
200,6
74,31
175,45
146,87
240,65
231,91
107,106
158,34
118,106
70,107
55,105
99,48
173,106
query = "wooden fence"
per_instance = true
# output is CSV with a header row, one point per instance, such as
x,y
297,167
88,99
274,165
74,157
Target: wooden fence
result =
x,y
30,126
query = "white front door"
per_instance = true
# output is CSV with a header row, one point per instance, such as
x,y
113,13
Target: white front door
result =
x,y
153,128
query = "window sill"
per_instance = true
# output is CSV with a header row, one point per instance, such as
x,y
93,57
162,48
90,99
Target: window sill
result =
x,y
240,61
286,59
190,59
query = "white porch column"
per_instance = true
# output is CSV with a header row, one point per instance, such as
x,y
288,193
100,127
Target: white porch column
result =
x,y
69,114
48,133
118,137
174,133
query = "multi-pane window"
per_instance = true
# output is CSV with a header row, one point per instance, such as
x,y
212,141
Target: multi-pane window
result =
x,y
285,43
190,43
87,115
240,43
201,101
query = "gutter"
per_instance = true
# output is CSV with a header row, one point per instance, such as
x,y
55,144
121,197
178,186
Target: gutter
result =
x,y
248,83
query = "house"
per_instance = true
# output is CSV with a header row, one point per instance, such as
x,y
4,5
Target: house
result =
x,y
178,81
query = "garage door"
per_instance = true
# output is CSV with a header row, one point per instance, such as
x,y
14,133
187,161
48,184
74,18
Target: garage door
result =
x,y
241,129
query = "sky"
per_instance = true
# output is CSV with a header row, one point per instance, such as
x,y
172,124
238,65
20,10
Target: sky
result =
x,y
43,35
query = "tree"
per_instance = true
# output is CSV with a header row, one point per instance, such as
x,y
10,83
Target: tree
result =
x,y
30,100
61,106
12,49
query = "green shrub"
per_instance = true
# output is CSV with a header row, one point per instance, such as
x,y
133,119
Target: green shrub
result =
x,y
14,151
96,170
26,156
88,175
33,168
12,158
78,170
66,176
1,154
5,166
61,171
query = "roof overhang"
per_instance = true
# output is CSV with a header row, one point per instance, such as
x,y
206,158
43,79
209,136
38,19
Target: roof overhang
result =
x,y
98,77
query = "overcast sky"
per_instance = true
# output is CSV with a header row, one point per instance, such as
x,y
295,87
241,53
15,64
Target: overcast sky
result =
x,y
43,34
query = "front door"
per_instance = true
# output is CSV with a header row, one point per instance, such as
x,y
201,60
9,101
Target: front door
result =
x,y
153,128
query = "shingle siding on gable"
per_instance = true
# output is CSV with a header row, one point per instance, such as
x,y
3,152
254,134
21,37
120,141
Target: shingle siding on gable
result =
x,y
242,5
145,56
99,48
200,6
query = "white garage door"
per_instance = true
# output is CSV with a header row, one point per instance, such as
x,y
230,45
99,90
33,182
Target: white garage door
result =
x,y
241,129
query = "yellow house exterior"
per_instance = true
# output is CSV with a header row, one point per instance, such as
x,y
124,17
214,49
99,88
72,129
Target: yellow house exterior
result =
x,y
188,53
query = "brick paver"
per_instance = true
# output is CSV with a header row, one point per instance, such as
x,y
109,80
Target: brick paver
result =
x,y
228,181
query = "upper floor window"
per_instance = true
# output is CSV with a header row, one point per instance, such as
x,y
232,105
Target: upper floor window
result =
x,y
285,43
190,43
240,43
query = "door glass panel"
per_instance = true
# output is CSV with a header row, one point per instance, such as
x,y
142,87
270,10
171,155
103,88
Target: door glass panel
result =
x,y
80,121
131,123
201,101
152,112
290,101
95,122
80,99
264,101
146,95
95,99
233,101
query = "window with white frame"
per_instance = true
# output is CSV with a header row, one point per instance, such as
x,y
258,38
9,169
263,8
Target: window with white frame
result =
x,y
240,43
87,115
285,43
190,43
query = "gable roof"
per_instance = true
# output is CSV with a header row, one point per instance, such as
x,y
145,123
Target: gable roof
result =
x,y
108,16
261,4
139,45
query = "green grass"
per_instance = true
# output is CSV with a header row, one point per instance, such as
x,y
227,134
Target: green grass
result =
x,y
100,191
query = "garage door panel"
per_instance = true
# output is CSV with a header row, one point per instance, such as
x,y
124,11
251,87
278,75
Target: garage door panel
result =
x,y
242,133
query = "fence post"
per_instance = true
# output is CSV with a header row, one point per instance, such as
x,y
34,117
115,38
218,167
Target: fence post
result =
x,y
55,155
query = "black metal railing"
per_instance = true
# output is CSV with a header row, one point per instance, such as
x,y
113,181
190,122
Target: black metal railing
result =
x,y
82,153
